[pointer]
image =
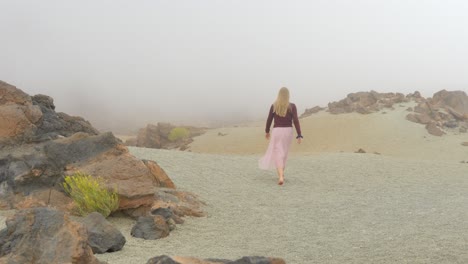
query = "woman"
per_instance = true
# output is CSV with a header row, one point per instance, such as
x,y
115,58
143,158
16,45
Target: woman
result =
x,y
285,114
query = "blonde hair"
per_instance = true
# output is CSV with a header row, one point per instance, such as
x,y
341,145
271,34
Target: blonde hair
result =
x,y
281,105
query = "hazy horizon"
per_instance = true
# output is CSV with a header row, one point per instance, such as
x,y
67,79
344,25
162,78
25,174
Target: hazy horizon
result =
x,y
123,64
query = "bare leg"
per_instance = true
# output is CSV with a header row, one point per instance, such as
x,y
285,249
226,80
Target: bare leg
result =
x,y
280,175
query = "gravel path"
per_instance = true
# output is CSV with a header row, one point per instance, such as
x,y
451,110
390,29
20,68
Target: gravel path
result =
x,y
333,208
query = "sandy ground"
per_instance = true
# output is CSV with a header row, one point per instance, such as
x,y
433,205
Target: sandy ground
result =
x,y
334,208
407,205
386,132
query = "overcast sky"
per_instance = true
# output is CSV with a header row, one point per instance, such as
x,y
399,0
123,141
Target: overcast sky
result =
x,y
128,63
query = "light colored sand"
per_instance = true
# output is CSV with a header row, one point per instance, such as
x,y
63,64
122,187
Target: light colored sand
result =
x,y
389,134
334,208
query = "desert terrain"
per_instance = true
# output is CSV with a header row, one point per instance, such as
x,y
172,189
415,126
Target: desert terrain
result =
x,y
404,201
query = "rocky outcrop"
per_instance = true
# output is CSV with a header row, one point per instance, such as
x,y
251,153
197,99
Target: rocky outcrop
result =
x,y
44,235
28,119
445,110
102,236
366,102
31,174
187,260
311,111
157,136
31,169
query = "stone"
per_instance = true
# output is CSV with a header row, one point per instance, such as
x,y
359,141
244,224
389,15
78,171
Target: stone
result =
x,y
464,144
157,136
360,151
28,119
61,240
102,235
311,111
150,228
434,130
190,260
159,174
366,102
162,260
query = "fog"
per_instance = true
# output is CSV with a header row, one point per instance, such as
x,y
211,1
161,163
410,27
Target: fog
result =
x,y
123,64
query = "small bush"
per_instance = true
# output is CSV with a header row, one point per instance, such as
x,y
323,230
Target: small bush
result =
x,y
90,195
178,133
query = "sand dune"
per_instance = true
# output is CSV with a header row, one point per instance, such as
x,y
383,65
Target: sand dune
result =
x,y
386,132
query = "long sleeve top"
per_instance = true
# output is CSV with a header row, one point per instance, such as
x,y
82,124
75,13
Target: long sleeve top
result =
x,y
286,121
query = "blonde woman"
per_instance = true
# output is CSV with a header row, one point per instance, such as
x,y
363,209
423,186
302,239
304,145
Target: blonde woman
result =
x,y
284,114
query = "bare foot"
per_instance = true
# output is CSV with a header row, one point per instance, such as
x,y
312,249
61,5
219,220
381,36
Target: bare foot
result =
x,y
281,181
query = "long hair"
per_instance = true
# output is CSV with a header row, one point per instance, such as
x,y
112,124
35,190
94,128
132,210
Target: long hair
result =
x,y
281,105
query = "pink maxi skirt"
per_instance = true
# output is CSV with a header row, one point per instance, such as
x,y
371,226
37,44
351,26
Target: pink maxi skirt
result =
x,y
278,149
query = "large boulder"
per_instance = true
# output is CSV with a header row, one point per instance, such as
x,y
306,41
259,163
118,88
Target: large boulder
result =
x,y
27,170
157,136
44,235
457,100
102,236
28,119
445,110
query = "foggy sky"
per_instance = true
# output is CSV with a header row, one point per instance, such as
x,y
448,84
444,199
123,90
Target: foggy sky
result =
x,y
123,64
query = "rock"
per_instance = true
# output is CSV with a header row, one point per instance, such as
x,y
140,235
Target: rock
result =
x,y
102,236
410,109
462,130
419,118
44,235
311,111
451,124
157,136
159,174
39,147
33,119
464,144
457,100
188,260
150,227
181,203
360,151
434,130
164,212
366,102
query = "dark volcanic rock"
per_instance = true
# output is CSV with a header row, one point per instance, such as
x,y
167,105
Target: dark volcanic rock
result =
x,y
44,235
28,119
150,227
102,236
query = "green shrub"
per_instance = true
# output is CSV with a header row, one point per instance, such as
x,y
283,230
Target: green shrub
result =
x,y
90,195
178,133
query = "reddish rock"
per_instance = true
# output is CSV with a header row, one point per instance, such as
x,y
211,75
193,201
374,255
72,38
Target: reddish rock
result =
x,y
159,174
434,130
464,144
44,235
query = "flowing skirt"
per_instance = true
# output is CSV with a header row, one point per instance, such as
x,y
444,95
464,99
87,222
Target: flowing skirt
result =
x,y
278,149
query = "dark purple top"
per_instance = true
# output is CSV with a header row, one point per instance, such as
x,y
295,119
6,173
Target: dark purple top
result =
x,y
286,121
